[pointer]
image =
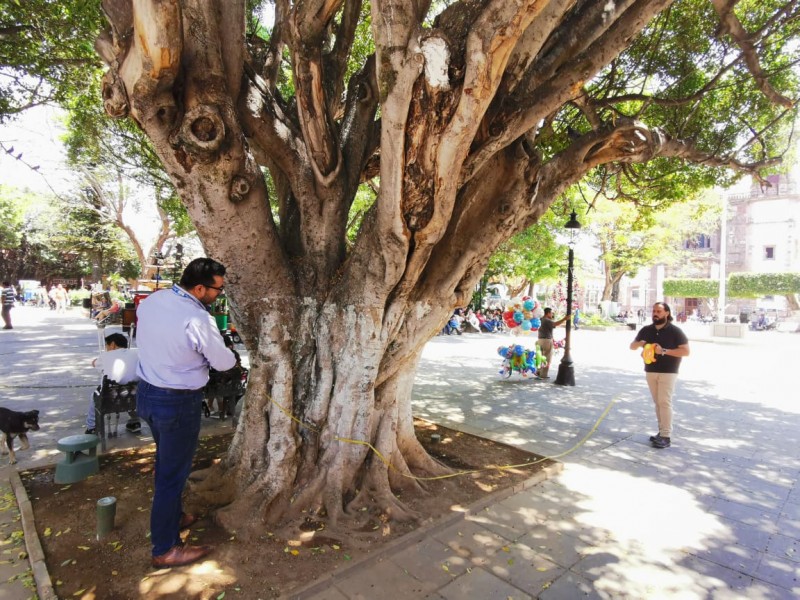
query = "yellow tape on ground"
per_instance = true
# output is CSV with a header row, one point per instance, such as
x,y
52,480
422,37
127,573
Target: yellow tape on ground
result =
x,y
457,473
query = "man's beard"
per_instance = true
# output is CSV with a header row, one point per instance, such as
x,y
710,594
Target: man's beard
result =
x,y
659,321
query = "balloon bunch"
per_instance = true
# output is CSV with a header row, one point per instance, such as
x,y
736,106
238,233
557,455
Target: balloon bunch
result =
x,y
523,315
520,359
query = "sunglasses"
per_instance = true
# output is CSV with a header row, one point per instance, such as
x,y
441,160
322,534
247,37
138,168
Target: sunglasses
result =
x,y
219,289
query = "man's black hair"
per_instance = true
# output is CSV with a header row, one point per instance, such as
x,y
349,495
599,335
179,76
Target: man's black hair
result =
x,y
117,338
6,284
666,307
201,271
547,310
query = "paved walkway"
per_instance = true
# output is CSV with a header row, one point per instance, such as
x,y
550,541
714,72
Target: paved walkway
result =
x,y
715,516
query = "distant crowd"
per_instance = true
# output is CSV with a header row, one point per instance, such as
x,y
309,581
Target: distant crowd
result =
x,y
478,321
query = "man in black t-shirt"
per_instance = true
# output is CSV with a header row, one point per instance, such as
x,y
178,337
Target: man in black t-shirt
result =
x,y
670,344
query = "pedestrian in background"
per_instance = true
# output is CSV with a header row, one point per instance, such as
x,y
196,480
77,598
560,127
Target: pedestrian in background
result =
x,y
545,341
670,345
8,296
178,340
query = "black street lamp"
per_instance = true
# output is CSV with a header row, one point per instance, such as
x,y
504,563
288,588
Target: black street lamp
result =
x,y
158,258
566,370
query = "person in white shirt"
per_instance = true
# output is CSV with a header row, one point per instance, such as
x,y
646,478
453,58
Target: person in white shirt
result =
x,y
178,341
119,364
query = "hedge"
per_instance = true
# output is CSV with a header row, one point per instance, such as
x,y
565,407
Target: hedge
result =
x,y
740,285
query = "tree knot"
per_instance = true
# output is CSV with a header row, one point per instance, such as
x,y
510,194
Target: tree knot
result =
x,y
203,131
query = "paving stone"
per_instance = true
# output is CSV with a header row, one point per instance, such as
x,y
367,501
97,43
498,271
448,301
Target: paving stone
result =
x,y
731,555
511,524
556,546
570,586
524,568
431,560
332,593
480,584
378,579
471,542
784,547
781,572
757,517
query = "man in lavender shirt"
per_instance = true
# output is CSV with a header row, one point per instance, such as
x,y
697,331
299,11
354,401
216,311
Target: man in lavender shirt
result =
x,y
178,341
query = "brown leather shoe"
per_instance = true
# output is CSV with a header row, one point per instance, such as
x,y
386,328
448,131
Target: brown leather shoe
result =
x,y
187,520
177,556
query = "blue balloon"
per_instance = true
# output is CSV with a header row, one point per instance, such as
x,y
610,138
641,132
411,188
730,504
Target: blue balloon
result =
x,y
526,325
528,305
536,322
503,351
518,317
519,350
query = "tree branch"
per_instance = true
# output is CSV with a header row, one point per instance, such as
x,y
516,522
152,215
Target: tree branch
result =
x,y
730,25
232,27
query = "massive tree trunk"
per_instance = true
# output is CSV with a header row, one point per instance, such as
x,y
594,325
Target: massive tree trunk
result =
x,y
463,154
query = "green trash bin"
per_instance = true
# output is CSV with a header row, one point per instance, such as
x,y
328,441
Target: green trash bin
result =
x,y
222,322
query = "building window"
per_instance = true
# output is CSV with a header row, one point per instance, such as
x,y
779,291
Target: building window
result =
x,y
769,252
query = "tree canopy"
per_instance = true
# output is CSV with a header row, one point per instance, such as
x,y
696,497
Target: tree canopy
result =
x,y
46,51
469,119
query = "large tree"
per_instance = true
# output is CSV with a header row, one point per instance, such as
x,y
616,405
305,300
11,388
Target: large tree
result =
x,y
629,239
470,124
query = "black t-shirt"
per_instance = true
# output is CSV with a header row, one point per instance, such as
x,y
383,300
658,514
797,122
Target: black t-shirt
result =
x,y
668,337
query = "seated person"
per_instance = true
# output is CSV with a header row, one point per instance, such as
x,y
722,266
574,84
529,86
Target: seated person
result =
x,y
118,363
115,307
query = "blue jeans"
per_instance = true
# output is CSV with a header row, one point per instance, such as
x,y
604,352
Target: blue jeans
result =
x,y
174,419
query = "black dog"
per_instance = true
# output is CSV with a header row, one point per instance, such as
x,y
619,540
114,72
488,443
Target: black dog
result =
x,y
14,423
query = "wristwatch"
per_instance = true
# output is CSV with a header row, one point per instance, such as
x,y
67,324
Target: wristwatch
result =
x,y
663,352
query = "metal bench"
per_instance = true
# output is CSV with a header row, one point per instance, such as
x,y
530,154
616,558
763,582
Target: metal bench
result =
x,y
111,399
227,386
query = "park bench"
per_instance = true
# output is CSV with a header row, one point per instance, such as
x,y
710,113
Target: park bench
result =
x,y
109,400
226,386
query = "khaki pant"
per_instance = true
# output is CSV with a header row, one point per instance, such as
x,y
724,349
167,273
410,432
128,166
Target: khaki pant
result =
x,y
547,351
662,388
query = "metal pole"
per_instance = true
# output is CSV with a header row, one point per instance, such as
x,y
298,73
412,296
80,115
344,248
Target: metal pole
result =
x,y
566,370
723,259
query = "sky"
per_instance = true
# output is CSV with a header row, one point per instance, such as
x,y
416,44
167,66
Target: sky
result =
x,y
37,135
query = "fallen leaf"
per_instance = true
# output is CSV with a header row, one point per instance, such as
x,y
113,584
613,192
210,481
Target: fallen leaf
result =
x,y
294,552
47,532
221,596
84,547
79,592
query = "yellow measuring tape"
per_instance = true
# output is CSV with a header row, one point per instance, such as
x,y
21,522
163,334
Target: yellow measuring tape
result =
x,y
389,465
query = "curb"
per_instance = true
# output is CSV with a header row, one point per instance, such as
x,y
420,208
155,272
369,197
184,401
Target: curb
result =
x,y
44,586
328,580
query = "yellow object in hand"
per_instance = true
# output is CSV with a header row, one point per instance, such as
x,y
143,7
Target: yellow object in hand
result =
x,y
649,354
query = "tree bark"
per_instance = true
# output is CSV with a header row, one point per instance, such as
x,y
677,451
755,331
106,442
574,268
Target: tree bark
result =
x,y
448,115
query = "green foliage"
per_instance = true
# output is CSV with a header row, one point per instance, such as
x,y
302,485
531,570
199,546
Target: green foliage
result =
x,y
46,51
630,238
108,147
739,285
691,288
532,255
55,240
710,98
752,285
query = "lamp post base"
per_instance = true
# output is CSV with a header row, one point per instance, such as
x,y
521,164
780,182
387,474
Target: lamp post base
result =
x,y
566,374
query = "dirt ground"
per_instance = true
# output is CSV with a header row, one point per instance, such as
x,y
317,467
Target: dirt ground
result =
x,y
118,567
